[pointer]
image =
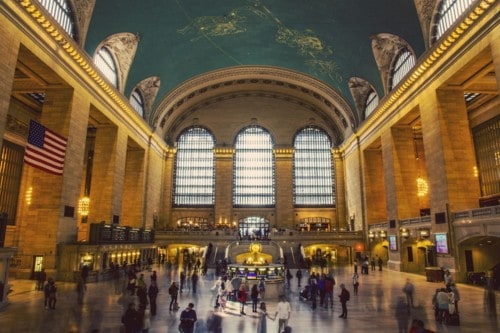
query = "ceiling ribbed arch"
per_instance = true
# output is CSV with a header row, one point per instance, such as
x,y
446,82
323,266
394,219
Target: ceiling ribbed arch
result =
x,y
244,81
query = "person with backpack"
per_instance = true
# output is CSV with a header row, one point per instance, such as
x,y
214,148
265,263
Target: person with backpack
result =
x,y
344,297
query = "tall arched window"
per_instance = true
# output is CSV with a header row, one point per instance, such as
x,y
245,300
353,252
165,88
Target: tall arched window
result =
x,y
313,172
194,180
61,12
405,60
253,176
137,102
106,64
449,11
371,103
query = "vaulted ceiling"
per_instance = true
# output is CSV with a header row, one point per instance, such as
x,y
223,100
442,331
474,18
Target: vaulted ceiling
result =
x,y
326,39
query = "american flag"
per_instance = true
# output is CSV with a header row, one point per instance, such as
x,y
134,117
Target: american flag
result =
x,y
45,149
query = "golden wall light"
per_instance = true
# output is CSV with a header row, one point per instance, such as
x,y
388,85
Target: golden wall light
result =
x,y
424,233
84,206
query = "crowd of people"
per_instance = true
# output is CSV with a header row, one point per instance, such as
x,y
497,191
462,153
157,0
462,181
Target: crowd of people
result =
x,y
318,288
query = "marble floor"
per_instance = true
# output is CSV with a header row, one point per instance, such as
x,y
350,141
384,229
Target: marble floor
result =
x,y
373,309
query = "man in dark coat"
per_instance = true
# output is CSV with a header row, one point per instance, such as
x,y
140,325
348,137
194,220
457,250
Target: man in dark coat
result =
x,y
344,297
188,318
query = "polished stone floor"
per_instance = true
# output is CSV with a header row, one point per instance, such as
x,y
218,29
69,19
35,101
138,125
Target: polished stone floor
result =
x,y
372,310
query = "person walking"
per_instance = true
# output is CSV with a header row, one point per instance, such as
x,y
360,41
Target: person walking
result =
x,y
298,275
409,290
344,297
235,285
41,278
242,298
442,301
153,295
81,288
289,277
263,315
194,281
132,319
173,291
188,319
283,311
262,288
182,280
355,283
46,293
254,295
52,294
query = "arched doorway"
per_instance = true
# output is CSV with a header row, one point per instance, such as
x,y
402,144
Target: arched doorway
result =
x,y
253,227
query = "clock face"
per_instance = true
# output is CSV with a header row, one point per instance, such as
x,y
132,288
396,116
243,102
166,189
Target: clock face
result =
x,y
255,248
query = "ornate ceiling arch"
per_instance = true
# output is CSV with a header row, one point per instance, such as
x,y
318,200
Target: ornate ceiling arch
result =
x,y
257,82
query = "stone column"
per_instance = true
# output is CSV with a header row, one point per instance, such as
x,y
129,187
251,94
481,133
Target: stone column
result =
x,y
340,199
165,218
223,185
375,190
449,151
108,174
8,51
133,192
284,187
43,219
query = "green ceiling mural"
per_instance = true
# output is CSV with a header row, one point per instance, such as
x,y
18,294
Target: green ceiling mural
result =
x,y
328,39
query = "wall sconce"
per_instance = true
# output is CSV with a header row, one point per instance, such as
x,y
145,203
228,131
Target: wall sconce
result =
x,y
405,233
84,206
424,233
383,234
371,235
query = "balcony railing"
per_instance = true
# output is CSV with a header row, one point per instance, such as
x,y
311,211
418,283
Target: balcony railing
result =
x,y
478,214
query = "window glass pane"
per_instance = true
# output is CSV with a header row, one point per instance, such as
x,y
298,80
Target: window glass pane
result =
x,y
487,147
194,169
371,103
137,102
106,64
61,12
313,171
449,12
253,177
404,63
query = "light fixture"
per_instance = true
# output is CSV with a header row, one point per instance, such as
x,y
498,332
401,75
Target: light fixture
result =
x,y
84,206
383,234
422,186
424,233
371,235
405,233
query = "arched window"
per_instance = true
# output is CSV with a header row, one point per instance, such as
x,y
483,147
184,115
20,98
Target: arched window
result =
x,y
371,103
194,180
253,176
106,64
253,227
405,60
61,12
449,11
313,171
137,102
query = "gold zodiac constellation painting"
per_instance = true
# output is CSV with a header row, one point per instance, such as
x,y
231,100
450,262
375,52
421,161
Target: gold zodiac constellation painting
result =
x,y
318,55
